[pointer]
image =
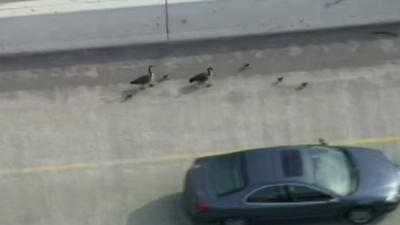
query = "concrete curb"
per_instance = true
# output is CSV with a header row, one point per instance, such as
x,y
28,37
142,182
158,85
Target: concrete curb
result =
x,y
177,20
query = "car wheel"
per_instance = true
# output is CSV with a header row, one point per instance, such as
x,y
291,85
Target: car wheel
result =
x,y
361,215
236,221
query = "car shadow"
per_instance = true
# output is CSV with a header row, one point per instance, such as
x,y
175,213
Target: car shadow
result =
x,y
314,221
163,211
302,222
167,210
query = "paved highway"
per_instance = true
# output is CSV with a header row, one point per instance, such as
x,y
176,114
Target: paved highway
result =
x,y
76,150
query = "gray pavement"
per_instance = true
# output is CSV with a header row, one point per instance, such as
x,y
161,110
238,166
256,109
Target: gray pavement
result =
x,y
74,150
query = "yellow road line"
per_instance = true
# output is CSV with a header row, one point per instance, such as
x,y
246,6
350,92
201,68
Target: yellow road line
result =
x,y
95,165
381,140
139,161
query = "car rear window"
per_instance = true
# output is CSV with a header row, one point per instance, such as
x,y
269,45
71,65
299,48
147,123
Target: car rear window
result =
x,y
227,173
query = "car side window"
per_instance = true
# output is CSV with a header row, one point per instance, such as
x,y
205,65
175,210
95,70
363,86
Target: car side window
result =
x,y
268,195
306,194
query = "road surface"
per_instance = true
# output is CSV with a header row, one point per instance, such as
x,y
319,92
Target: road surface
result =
x,y
75,149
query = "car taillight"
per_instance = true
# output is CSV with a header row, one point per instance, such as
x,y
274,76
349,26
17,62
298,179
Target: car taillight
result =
x,y
201,207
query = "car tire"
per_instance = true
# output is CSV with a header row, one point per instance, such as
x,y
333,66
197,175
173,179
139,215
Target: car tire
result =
x,y
360,215
236,221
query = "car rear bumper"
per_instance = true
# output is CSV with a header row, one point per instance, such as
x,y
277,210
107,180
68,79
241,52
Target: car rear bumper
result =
x,y
195,216
204,218
198,217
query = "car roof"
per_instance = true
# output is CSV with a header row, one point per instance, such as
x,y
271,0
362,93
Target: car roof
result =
x,y
288,164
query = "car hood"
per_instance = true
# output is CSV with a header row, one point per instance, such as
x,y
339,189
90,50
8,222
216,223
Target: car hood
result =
x,y
377,174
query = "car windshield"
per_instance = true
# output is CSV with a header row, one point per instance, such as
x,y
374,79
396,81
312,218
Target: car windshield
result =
x,y
227,173
332,169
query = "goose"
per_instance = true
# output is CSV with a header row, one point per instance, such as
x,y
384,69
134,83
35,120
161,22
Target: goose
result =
x,y
244,67
302,86
322,141
202,77
278,80
164,78
145,79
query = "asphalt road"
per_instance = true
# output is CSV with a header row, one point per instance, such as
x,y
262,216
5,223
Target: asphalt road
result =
x,y
76,150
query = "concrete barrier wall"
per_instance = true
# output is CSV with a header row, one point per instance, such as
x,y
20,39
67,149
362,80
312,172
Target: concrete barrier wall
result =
x,y
53,31
221,18
147,21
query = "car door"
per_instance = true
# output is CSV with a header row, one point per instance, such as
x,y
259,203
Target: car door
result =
x,y
268,202
307,201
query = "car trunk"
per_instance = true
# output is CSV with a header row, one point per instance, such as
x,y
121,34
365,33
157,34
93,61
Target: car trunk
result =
x,y
211,178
